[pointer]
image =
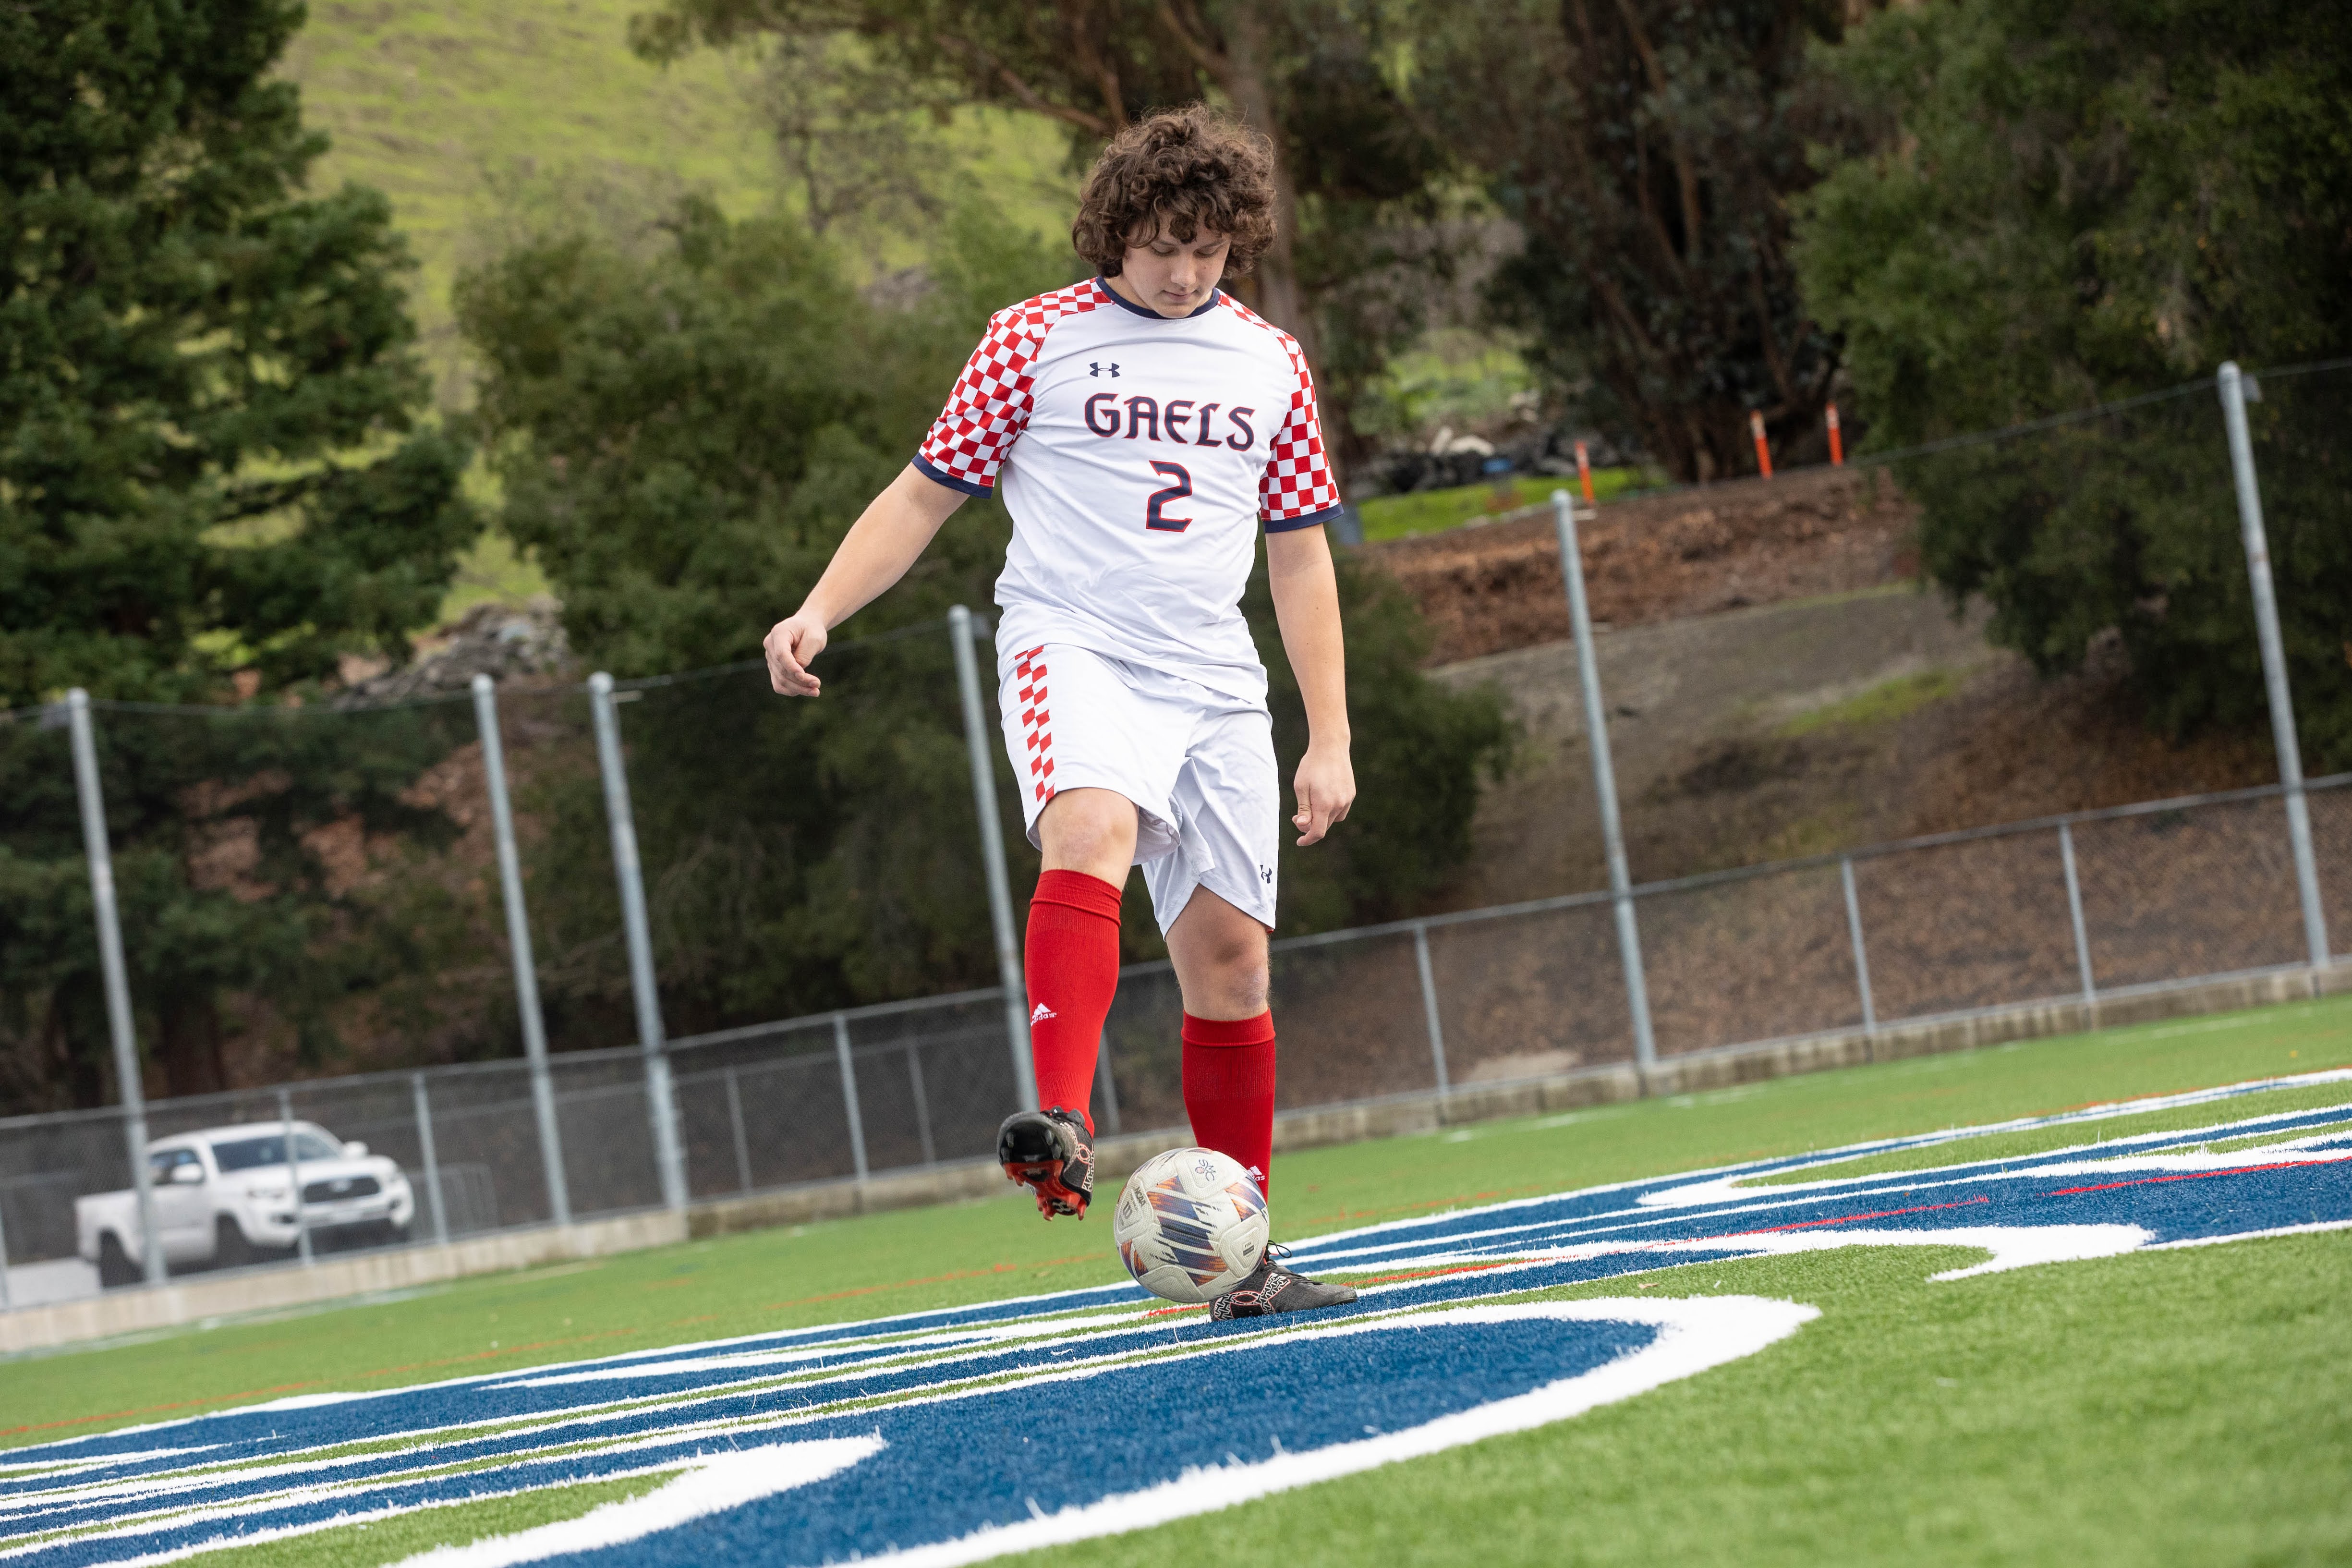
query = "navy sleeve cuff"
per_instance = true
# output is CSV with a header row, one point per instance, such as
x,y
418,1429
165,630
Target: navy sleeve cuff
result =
x,y
937,475
1287,524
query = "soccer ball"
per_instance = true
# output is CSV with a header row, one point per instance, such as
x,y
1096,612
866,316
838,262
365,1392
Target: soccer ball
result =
x,y
1190,1225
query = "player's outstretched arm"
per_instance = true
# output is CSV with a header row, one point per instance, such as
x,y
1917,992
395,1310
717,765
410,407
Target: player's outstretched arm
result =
x,y
1307,606
875,553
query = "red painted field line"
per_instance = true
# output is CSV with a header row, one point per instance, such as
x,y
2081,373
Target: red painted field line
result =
x,y
2191,1176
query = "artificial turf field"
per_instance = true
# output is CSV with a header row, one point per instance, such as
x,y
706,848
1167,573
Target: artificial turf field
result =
x,y
2183,1406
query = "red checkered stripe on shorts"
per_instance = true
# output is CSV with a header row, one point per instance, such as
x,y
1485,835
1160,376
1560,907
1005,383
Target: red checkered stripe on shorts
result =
x,y
1036,723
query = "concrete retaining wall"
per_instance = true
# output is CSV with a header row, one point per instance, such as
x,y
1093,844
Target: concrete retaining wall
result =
x,y
168,1305
192,1301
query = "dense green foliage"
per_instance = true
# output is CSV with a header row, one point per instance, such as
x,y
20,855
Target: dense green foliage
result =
x,y
189,350
2080,201
684,437
209,464
1357,178
250,900
1647,150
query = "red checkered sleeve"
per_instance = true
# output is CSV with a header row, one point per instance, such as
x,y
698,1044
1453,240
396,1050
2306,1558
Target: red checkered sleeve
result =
x,y
1297,490
990,405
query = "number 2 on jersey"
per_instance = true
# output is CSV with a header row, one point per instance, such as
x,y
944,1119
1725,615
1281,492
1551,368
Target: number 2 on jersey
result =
x,y
1153,516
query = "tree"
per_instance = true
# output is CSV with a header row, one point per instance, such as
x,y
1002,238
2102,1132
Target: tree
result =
x,y
209,462
1354,175
1648,150
2079,203
855,151
684,440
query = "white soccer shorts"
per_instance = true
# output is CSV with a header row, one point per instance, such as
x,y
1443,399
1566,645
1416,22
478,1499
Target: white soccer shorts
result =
x,y
1197,765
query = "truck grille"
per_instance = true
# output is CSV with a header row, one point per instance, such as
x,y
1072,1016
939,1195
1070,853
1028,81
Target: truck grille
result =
x,y
338,1188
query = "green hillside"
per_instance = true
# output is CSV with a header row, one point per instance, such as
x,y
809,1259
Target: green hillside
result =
x,y
448,108
471,116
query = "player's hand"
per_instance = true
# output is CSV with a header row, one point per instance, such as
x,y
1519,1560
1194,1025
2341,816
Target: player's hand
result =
x,y
1325,788
792,646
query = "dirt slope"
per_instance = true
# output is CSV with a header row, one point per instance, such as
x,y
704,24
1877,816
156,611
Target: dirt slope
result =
x,y
1497,586
1777,684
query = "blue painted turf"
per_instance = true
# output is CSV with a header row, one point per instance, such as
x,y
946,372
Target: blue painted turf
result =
x,y
995,1414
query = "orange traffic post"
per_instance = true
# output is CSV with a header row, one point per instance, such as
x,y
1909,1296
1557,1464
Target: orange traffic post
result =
x,y
1837,443
1584,473
1763,452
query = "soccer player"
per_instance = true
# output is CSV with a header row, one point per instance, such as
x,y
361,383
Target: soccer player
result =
x,y
1144,425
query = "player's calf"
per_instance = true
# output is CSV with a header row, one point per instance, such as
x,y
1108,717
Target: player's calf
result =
x,y
1052,1153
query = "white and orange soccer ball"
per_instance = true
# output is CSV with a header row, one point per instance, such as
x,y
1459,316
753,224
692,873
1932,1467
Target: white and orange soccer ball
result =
x,y
1190,1225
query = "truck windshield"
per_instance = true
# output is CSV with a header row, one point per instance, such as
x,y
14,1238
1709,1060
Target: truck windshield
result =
x,y
269,1149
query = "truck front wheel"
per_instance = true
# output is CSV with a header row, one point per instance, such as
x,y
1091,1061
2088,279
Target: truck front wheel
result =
x,y
230,1249
115,1269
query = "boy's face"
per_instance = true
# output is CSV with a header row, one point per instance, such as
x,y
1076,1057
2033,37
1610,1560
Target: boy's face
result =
x,y
1173,275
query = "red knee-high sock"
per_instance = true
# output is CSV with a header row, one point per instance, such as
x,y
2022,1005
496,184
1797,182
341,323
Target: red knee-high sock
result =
x,y
1229,1088
1072,965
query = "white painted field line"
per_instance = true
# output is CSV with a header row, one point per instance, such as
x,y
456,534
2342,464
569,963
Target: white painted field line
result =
x,y
1695,1335
728,1481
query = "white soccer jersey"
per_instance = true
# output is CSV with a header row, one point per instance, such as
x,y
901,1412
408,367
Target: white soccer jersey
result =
x,y
1139,456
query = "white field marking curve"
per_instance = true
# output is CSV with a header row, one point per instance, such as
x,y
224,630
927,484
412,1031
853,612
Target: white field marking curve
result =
x,y
924,1390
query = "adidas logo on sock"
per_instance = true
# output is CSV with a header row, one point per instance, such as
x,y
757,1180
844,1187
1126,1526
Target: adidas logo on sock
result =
x,y
1041,1013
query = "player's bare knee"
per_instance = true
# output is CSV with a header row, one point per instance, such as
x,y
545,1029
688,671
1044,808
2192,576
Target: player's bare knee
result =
x,y
1087,827
1246,985
1238,970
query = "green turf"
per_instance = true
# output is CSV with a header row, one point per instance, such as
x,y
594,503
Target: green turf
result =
x,y
922,1257
2085,1136
2179,1407
391,1540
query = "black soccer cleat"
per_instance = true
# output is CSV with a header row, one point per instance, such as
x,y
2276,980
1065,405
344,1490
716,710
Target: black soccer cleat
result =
x,y
1272,1287
1052,1153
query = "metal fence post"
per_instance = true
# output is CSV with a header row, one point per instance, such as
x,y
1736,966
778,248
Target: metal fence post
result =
x,y
923,1104
6,1302
1861,953
849,1094
432,1158
981,745
2074,912
2266,632
526,971
742,1144
115,975
1429,1008
1604,784
294,1176
661,1102
1106,1084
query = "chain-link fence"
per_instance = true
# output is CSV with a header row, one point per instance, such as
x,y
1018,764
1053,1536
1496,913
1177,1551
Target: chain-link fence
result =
x,y
294,883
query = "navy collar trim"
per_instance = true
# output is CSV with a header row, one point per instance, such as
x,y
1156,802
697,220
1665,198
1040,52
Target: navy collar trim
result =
x,y
1216,297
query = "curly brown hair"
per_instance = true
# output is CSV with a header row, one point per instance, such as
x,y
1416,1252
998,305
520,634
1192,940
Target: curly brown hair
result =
x,y
1189,169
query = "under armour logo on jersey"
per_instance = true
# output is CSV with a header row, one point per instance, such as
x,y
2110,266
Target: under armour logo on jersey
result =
x,y
1265,875
1095,369
1041,1013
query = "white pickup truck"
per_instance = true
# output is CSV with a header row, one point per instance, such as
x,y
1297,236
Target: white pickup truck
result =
x,y
225,1196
